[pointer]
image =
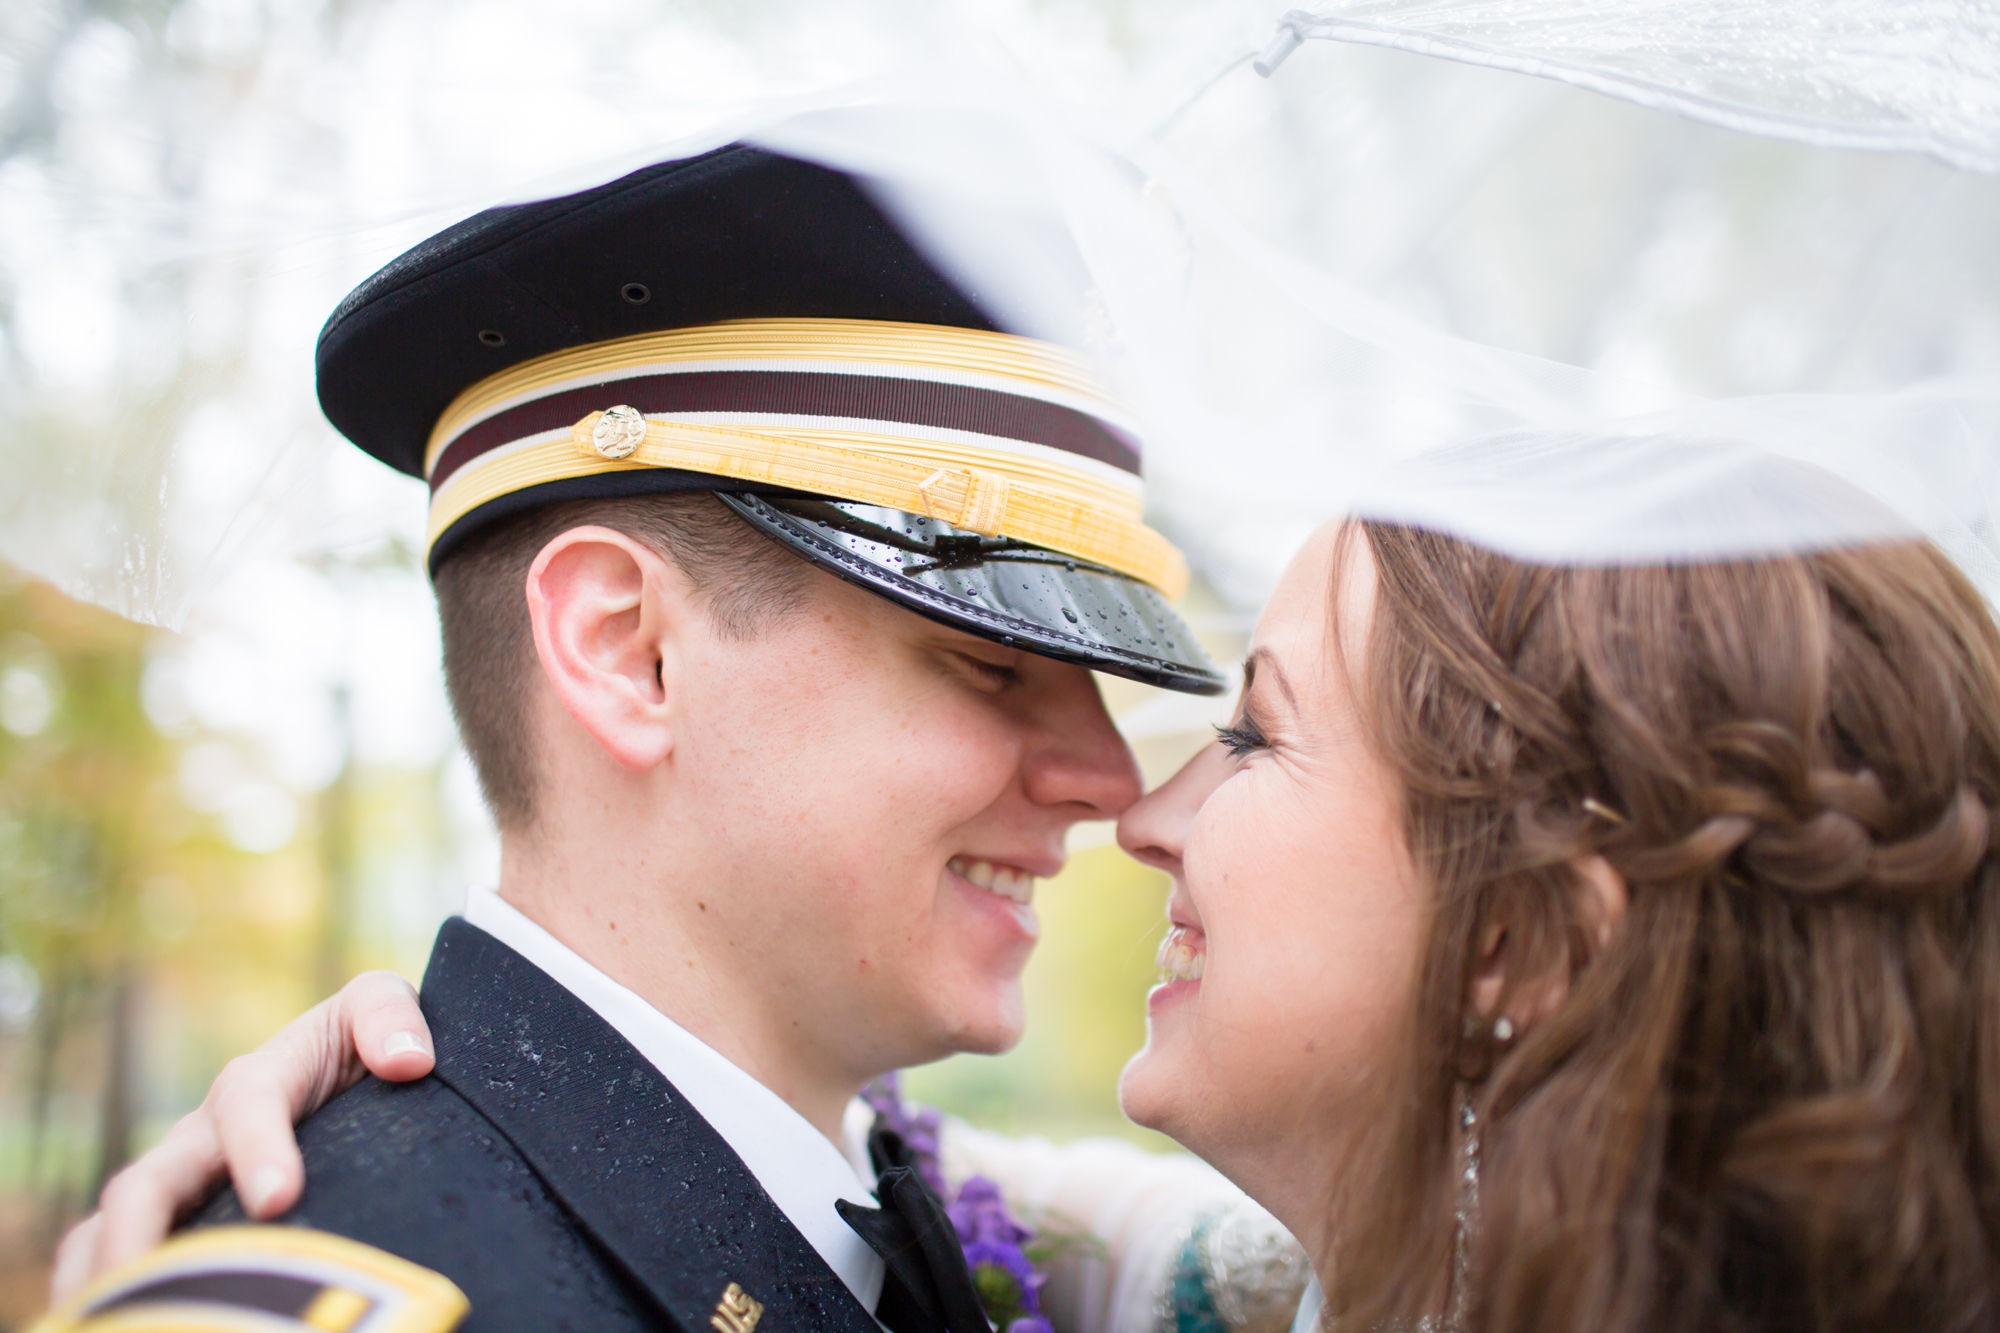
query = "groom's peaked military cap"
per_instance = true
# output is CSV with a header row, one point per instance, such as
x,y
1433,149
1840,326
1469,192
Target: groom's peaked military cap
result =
x,y
757,326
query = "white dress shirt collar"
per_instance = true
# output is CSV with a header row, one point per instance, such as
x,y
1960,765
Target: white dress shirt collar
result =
x,y
1312,1302
798,1167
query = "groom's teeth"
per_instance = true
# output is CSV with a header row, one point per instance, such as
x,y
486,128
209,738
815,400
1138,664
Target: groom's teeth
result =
x,y
1180,959
1017,885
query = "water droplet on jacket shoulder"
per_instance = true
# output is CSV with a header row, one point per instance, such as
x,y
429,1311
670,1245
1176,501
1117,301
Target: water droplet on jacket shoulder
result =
x,y
1069,615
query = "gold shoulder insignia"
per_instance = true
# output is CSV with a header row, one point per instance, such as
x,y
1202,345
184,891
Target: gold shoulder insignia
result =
x,y
737,1312
264,1279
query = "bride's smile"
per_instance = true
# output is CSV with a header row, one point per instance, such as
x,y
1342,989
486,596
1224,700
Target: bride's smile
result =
x,y
1295,912
1183,953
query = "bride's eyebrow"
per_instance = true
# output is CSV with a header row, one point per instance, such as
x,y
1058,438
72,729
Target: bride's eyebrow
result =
x,y
1262,659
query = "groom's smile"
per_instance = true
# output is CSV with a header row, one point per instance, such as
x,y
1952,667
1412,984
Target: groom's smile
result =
x,y
1005,880
998,888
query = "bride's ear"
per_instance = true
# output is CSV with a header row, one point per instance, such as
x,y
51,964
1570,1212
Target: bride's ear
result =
x,y
1602,897
1504,1000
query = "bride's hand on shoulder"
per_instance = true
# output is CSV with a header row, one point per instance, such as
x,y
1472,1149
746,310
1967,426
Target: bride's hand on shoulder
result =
x,y
245,1125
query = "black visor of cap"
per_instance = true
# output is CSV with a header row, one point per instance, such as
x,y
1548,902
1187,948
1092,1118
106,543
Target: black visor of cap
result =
x,y
1007,591
740,233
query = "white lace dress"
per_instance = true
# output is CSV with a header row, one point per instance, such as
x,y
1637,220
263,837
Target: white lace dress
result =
x,y
1161,1243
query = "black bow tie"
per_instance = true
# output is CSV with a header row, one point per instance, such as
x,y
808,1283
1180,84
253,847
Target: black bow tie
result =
x,y
928,1288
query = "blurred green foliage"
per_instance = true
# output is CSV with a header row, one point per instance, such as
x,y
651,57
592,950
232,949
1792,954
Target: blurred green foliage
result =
x,y
80,783
141,946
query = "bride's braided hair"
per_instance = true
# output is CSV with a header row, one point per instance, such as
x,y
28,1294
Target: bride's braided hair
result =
x,y
1773,1101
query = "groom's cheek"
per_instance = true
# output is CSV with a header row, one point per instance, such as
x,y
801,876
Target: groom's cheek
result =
x,y
851,793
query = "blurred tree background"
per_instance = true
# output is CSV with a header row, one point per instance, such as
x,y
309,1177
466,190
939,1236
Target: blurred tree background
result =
x,y
167,903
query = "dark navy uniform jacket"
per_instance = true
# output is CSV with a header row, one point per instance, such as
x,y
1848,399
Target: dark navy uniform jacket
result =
x,y
552,1172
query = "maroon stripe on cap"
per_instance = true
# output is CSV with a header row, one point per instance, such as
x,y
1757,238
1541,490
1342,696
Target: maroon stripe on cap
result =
x,y
907,402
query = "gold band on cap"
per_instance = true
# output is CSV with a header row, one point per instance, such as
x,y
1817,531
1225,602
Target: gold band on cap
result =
x,y
1035,495
1003,357
983,500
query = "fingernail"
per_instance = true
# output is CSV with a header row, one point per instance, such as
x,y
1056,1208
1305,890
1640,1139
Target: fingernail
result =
x,y
400,1042
264,1183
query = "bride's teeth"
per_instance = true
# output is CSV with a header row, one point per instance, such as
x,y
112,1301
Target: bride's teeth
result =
x,y
1179,959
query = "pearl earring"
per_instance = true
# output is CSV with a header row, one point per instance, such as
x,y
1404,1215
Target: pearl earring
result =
x,y
1503,1029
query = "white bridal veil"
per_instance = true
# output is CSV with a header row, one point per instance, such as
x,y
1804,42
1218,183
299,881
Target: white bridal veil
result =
x,y
1902,75
1225,265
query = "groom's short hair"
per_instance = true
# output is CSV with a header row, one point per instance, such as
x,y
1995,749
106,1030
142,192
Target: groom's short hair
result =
x,y
746,580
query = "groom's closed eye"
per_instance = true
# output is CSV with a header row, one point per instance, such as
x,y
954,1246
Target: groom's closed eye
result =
x,y
988,675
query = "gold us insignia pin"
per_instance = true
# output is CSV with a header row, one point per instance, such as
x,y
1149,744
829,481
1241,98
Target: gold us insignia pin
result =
x,y
737,1312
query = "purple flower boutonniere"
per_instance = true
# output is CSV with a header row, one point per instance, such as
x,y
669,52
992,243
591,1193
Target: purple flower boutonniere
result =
x,y
998,1249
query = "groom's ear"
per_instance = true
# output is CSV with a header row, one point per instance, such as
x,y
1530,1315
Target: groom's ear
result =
x,y
609,615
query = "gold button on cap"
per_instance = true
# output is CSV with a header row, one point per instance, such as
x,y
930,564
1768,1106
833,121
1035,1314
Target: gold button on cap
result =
x,y
618,433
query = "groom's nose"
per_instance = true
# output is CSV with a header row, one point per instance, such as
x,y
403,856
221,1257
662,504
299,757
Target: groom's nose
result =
x,y
1079,760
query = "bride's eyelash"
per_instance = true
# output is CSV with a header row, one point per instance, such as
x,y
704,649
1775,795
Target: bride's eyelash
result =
x,y
1242,739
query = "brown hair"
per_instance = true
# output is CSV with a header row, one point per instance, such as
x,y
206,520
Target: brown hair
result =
x,y
1773,1101
489,651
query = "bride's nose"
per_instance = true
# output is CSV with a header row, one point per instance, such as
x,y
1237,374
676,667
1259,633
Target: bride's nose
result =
x,y
1154,831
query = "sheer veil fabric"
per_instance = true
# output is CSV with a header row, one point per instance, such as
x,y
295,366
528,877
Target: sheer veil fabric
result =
x,y
1269,387
1274,390
1903,75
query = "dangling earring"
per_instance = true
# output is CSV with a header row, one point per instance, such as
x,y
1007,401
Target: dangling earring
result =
x,y
1467,1213
1466,1219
